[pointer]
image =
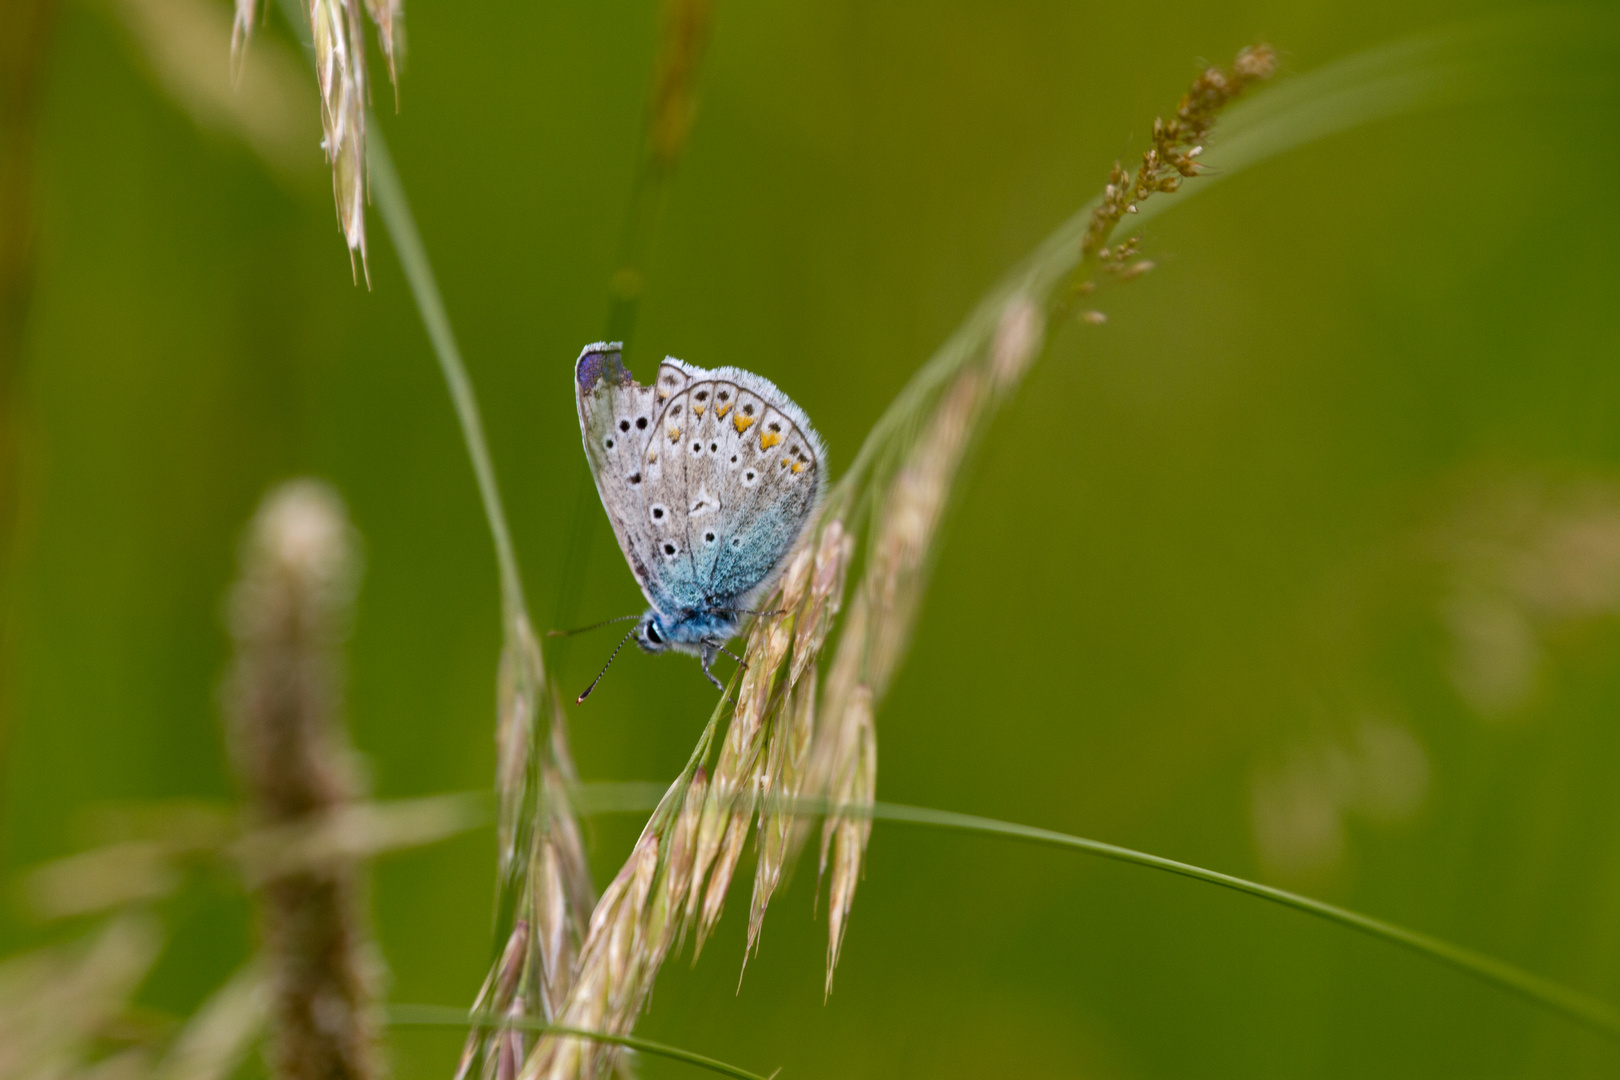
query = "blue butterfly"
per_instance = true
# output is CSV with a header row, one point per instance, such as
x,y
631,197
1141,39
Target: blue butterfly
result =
x,y
709,479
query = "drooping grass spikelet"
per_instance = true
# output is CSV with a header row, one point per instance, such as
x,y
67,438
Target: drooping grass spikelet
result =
x,y
389,18
637,920
340,69
789,776
289,612
544,881
337,36
846,830
247,13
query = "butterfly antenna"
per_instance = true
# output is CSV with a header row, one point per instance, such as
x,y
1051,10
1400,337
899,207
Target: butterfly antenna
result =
x,y
593,626
622,642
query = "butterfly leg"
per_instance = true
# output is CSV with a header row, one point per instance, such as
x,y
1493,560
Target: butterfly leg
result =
x,y
707,658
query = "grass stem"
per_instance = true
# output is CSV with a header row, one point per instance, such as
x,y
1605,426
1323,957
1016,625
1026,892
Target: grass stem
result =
x,y
444,1016
1581,1008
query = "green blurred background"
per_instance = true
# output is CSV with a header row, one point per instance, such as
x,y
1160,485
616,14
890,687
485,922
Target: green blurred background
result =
x,y
1305,567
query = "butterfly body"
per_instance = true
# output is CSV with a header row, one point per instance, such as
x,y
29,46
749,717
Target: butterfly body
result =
x,y
708,478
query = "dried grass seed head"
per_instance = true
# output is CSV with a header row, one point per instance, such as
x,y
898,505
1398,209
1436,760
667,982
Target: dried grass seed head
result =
x,y
1177,142
288,614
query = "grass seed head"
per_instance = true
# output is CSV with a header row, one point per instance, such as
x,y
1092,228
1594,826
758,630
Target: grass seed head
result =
x,y
289,614
340,70
389,18
1177,143
846,834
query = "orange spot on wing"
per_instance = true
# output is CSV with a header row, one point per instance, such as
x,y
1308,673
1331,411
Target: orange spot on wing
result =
x,y
743,422
768,440
721,410
674,433
697,410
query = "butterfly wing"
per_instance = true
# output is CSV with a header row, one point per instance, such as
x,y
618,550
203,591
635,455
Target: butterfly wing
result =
x,y
617,422
711,493
753,477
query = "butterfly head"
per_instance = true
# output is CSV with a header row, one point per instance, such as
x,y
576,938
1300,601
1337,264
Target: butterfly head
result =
x,y
651,634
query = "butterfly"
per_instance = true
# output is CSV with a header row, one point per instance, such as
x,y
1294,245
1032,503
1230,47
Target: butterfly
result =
x,y
709,479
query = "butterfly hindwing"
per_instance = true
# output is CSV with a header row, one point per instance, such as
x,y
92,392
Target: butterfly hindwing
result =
x,y
774,485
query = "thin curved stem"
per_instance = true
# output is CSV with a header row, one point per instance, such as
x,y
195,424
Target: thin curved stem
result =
x,y
1588,1011
1583,1009
444,1016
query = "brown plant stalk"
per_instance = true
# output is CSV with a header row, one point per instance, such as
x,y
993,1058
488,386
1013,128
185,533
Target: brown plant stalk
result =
x,y
288,616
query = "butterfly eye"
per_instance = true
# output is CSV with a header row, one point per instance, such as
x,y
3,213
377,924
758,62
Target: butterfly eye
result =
x,y
748,410
609,444
713,447
624,425
657,512
709,537
641,423
734,459
635,478
749,476
669,549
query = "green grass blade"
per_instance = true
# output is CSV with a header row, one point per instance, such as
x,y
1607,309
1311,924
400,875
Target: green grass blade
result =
x,y
1579,1007
444,1016
1583,1009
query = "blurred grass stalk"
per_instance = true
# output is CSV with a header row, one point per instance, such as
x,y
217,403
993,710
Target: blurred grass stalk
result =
x,y
684,29
66,1012
289,613
25,34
